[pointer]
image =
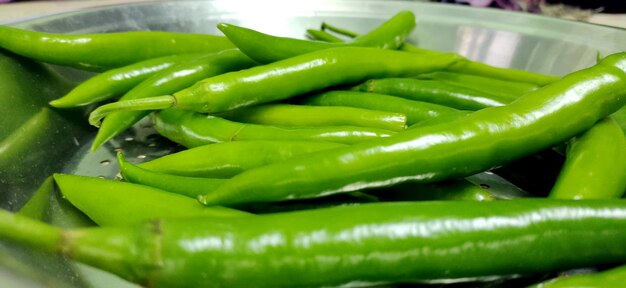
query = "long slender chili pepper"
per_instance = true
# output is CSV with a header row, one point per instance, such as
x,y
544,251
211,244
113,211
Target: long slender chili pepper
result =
x,y
267,49
475,143
108,202
305,115
595,164
116,82
434,92
505,89
369,243
107,50
192,129
287,78
453,189
169,81
415,111
226,159
183,185
467,66
614,277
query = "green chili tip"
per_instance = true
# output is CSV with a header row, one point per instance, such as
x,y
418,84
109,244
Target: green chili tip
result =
x,y
151,103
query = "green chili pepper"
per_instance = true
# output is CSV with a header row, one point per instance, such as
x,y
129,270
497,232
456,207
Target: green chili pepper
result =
x,y
286,78
505,89
304,115
444,118
415,111
108,202
614,277
480,141
107,50
433,91
369,243
322,36
192,129
453,189
169,81
341,31
595,165
118,81
226,159
267,49
467,66
183,185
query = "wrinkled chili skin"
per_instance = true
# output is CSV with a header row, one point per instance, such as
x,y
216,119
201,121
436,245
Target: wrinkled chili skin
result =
x,y
480,141
99,52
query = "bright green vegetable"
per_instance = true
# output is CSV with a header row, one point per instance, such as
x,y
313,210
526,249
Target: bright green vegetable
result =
x,y
477,142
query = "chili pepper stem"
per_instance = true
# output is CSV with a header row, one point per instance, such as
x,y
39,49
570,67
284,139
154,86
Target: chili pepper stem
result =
x,y
104,248
152,103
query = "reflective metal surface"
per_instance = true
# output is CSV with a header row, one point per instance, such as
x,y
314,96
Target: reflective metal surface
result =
x,y
29,153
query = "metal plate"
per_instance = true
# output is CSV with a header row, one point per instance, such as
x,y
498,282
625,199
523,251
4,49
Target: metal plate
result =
x,y
495,37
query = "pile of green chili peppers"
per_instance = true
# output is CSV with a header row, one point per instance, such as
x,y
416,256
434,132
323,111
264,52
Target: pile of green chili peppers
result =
x,y
342,160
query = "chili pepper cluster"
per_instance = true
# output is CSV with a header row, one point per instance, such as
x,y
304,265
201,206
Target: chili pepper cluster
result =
x,y
341,160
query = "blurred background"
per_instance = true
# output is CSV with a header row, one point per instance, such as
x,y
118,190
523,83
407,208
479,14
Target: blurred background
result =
x,y
605,12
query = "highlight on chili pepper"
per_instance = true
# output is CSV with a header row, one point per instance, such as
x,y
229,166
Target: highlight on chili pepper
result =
x,y
351,158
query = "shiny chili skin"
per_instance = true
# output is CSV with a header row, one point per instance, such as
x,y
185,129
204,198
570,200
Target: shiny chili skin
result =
x,y
480,141
192,129
595,164
451,190
116,82
183,185
433,91
310,116
286,78
170,80
106,50
415,111
226,159
368,243
109,202
468,66
509,90
265,48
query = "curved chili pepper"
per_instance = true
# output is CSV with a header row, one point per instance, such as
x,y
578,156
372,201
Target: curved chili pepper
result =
x,y
475,143
467,66
168,81
267,48
192,129
505,89
117,81
305,115
595,164
106,50
369,243
226,159
433,91
108,202
415,111
287,78
614,277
